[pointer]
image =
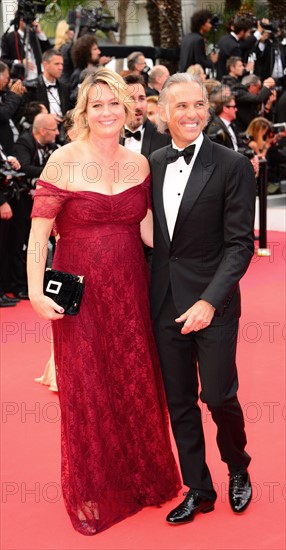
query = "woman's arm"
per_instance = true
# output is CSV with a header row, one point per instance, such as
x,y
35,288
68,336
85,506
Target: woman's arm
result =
x,y
146,229
36,263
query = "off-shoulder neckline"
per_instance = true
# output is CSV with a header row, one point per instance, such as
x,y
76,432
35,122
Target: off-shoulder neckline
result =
x,y
40,182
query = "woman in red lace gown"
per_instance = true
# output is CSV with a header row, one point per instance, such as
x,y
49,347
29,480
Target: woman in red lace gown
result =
x,y
116,453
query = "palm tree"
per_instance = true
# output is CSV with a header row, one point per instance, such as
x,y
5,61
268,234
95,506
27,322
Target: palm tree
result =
x,y
165,20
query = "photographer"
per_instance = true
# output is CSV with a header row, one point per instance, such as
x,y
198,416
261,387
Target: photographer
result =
x,y
33,149
8,165
85,54
270,54
10,102
251,95
15,49
193,49
239,42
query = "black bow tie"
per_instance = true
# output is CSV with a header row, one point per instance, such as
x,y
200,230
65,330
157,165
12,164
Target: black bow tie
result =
x,y
135,135
187,153
50,86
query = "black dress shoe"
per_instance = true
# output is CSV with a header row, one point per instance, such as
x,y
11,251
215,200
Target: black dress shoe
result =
x,y
22,295
4,303
187,510
6,298
240,491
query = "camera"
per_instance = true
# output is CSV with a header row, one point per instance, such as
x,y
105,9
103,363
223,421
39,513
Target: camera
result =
x,y
28,9
279,128
12,182
92,19
216,21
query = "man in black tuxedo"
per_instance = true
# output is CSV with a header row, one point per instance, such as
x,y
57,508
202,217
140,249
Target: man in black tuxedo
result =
x,y
193,49
10,102
50,91
251,94
15,50
203,206
141,135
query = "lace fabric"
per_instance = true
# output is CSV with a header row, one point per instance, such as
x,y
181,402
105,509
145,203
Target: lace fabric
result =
x,y
116,453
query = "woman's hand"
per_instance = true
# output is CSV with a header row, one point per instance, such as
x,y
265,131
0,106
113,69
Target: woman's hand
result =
x,y
46,307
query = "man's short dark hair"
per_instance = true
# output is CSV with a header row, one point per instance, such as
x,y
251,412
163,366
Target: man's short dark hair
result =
x,y
48,54
242,24
199,18
231,62
3,67
32,109
134,78
219,100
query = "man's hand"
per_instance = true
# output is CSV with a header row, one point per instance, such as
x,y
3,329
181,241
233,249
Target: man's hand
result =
x,y
14,162
17,87
103,60
5,211
197,317
269,82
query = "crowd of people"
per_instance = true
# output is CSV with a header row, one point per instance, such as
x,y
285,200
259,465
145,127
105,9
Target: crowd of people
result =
x,y
114,376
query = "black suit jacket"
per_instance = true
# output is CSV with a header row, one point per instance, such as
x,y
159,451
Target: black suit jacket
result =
x,y
26,151
40,94
248,105
152,139
213,242
193,51
229,46
12,48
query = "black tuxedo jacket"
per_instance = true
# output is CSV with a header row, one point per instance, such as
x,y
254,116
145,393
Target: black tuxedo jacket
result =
x,y
229,46
40,94
26,151
13,48
212,243
152,139
248,104
193,51
218,132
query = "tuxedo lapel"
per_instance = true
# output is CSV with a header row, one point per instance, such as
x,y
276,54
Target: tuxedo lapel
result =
x,y
200,174
145,148
159,166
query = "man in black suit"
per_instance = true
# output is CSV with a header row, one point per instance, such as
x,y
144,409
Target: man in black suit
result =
x,y
50,91
203,206
15,49
238,43
32,149
250,96
10,102
220,128
140,134
193,49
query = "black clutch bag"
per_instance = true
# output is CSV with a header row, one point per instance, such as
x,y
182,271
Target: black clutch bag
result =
x,y
65,289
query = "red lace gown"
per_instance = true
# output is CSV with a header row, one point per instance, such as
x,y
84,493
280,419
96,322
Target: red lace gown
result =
x,y
116,453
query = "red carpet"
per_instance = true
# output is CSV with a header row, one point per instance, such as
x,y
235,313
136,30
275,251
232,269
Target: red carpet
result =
x,y
33,516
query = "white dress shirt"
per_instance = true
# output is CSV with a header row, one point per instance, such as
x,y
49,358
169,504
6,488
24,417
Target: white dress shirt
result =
x,y
227,123
53,98
176,178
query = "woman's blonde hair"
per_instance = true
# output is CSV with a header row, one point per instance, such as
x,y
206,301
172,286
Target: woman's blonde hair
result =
x,y
100,76
257,125
61,37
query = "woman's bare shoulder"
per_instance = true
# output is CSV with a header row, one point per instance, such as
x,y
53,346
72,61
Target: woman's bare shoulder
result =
x,y
58,167
139,161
